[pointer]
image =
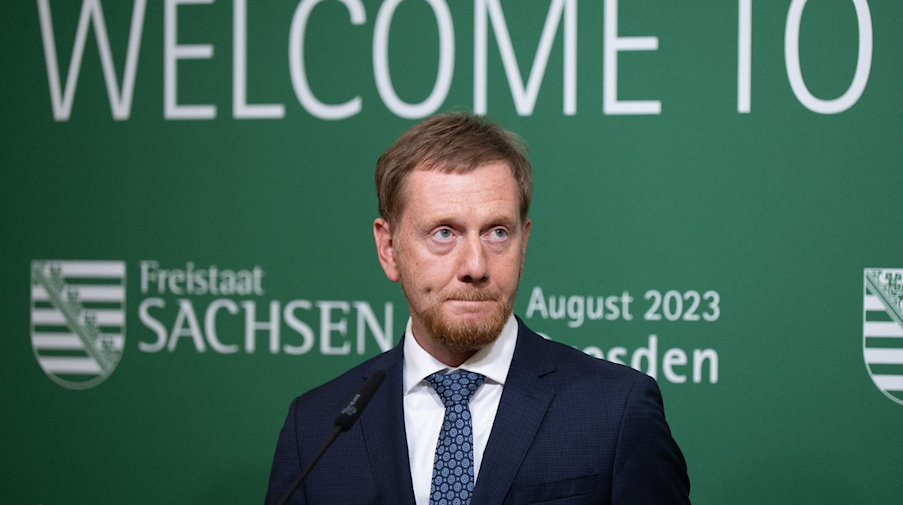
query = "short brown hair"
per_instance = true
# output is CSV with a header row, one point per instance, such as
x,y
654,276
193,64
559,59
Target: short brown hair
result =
x,y
451,143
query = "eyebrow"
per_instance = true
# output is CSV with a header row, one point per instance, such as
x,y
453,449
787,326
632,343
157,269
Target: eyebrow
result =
x,y
430,222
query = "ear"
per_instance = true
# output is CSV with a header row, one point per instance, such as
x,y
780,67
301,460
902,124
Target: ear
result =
x,y
385,248
527,227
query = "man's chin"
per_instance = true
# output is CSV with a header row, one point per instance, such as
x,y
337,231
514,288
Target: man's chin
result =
x,y
470,329
467,339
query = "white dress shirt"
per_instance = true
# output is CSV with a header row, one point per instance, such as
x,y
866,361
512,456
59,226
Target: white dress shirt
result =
x,y
424,411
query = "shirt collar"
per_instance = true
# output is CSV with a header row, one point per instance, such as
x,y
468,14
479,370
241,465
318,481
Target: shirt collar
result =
x,y
492,361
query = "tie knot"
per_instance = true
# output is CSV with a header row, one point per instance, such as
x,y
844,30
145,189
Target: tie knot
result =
x,y
455,388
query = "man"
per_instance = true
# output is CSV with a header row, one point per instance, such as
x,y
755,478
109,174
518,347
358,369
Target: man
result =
x,y
531,421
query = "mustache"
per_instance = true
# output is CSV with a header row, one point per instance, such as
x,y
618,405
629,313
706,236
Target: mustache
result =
x,y
472,295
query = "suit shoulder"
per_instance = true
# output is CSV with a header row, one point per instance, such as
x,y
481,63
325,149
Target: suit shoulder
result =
x,y
574,365
338,390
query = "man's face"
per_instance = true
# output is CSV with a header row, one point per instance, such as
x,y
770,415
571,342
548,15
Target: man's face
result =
x,y
458,250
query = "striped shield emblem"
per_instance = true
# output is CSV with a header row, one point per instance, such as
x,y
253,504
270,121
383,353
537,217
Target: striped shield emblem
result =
x,y
78,319
882,330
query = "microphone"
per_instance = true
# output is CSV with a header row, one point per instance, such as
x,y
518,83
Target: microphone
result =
x,y
348,416
343,422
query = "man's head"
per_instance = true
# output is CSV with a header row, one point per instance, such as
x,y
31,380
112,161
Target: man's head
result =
x,y
451,143
454,196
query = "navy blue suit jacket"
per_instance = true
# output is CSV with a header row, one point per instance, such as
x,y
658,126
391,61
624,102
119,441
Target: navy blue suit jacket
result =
x,y
570,429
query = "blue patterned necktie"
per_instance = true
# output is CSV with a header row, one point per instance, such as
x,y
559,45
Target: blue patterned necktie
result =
x,y
453,475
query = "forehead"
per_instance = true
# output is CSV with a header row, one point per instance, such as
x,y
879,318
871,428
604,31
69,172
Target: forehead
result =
x,y
488,189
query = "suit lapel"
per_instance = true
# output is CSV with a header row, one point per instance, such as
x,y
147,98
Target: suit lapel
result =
x,y
525,400
384,434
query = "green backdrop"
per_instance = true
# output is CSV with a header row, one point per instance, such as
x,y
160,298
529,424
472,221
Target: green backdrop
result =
x,y
187,202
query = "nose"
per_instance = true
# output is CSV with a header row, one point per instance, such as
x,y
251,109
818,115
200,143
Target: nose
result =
x,y
473,262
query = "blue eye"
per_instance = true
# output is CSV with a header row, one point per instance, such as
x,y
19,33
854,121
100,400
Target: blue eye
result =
x,y
443,235
498,235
